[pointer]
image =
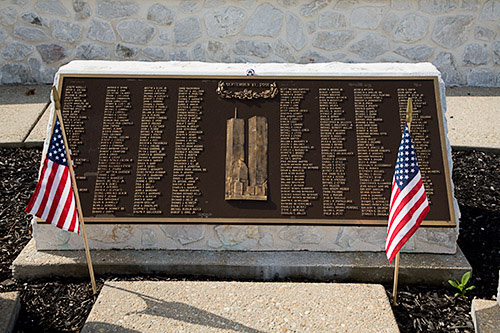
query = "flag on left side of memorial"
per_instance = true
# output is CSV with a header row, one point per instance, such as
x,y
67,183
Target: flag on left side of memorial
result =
x,y
53,199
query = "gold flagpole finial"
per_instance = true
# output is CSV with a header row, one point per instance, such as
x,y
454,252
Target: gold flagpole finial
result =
x,y
409,111
55,95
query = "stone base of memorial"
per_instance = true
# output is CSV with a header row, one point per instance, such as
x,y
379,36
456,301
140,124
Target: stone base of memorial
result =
x,y
316,175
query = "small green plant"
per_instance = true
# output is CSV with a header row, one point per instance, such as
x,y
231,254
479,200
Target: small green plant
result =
x,y
461,286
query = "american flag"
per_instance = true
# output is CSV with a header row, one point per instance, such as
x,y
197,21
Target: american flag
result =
x,y
408,205
53,200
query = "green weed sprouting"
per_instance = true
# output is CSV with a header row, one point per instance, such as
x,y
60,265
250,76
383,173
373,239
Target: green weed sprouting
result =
x,y
461,286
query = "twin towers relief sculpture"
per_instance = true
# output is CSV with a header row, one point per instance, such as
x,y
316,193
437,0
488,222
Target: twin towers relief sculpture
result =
x,y
246,178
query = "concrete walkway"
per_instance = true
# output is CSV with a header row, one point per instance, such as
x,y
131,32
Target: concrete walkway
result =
x,y
145,306
473,116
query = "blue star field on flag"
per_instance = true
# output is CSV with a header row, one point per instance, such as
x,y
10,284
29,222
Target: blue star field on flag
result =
x,y
57,153
406,164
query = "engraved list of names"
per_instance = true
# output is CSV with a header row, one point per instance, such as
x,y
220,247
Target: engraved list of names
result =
x,y
151,151
185,191
371,152
296,197
112,166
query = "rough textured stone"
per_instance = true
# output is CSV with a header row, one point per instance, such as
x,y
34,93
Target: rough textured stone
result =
x,y
311,8
483,33
413,27
370,46
160,14
312,57
469,4
224,22
30,34
267,240
496,52
20,3
331,20
16,51
14,73
154,52
189,6
198,52
295,32
41,73
118,234
82,9
126,51
417,53
250,47
3,34
452,31
390,23
218,51
163,37
8,16
368,17
101,30
282,50
66,31
338,56
475,54
437,6
247,3
35,19
311,27
491,10
445,62
213,3
51,7
401,4
91,51
234,235
184,234
300,235
187,30
135,31
52,52
240,59
266,21
114,9
480,78
288,3
329,41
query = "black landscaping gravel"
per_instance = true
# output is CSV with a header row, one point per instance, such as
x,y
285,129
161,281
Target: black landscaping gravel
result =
x,y
63,305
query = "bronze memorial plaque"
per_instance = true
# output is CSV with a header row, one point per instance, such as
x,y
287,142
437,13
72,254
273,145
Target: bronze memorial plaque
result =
x,y
253,150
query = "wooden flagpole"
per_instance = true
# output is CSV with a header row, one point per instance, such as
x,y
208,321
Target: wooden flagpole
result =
x,y
57,107
409,114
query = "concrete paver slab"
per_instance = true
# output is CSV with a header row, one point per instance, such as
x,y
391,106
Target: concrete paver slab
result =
x,y
486,316
9,310
19,112
39,132
159,306
473,116
370,267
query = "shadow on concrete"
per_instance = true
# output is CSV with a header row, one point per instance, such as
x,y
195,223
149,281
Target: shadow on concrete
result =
x,y
472,91
187,313
97,326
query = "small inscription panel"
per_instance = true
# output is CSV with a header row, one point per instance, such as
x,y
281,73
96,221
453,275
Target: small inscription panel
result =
x,y
251,150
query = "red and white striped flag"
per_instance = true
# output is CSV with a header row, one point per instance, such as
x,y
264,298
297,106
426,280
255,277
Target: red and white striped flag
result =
x,y
408,205
54,200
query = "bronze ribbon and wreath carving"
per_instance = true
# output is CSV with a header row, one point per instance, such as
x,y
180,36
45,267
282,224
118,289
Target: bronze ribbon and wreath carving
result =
x,y
247,93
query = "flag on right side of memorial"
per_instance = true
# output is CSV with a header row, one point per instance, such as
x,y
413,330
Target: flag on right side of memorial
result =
x,y
408,204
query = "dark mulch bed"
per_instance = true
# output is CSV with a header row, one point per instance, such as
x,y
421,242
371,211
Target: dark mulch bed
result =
x,y
63,305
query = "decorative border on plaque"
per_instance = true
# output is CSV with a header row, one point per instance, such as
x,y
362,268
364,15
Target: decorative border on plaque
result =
x,y
247,93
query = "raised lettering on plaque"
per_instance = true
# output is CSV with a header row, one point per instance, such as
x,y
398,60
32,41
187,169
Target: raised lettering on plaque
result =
x,y
246,182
